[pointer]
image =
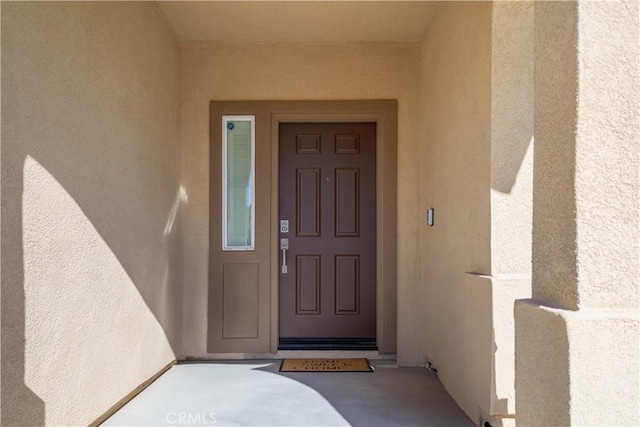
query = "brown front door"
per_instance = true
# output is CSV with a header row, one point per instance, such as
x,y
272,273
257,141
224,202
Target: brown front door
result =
x,y
328,196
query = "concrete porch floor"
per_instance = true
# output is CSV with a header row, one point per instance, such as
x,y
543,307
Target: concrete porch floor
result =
x,y
254,393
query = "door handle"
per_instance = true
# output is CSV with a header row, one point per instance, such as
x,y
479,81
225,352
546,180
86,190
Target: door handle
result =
x,y
284,247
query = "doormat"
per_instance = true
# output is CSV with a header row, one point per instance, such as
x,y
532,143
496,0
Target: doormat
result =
x,y
325,365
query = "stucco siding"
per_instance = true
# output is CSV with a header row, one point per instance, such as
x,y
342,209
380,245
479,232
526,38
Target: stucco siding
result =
x,y
297,71
512,138
476,167
586,258
455,163
91,255
607,156
477,173
512,141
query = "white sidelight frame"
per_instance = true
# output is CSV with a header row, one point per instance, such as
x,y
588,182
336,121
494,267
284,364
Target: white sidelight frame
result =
x,y
226,246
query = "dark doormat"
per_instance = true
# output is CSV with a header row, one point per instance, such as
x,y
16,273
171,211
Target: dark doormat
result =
x,y
326,365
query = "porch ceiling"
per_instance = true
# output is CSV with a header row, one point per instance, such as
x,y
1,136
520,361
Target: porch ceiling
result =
x,y
309,21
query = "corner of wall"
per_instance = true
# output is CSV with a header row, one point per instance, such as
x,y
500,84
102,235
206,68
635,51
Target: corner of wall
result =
x,y
90,172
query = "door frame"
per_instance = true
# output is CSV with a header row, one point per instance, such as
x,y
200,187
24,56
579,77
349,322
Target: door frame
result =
x,y
384,114
269,115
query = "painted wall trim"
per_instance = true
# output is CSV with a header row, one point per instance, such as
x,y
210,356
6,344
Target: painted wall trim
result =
x,y
120,403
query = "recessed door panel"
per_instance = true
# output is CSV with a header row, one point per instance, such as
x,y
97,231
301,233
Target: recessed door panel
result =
x,y
347,203
308,202
307,284
240,293
347,284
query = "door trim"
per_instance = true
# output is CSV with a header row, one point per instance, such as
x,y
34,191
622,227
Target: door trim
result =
x,y
269,115
384,114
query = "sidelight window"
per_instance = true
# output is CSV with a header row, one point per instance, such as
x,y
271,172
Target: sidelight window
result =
x,y
238,183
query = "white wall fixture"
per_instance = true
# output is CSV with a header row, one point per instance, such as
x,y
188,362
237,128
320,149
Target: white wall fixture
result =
x,y
430,215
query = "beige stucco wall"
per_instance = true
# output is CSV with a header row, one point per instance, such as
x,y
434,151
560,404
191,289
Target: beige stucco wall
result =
x,y
594,122
607,158
296,71
577,353
476,172
512,140
455,156
90,183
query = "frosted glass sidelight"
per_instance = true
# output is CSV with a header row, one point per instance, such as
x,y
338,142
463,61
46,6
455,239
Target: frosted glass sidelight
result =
x,y
238,186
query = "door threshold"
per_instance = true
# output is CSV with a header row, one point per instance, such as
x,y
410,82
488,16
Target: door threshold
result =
x,y
334,354
313,343
289,354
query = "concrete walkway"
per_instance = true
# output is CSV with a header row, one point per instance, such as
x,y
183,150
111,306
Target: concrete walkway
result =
x,y
254,393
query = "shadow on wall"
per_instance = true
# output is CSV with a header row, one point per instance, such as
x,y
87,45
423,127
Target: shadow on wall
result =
x,y
64,285
20,406
89,125
66,295
512,93
508,153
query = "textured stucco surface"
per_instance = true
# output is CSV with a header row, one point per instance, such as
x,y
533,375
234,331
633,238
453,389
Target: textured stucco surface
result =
x,y
90,178
297,71
455,156
576,367
586,261
555,118
586,194
476,168
511,138
538,331
512,95
505,291
607,181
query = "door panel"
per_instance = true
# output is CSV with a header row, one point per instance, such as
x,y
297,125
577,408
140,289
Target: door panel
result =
x,y
308,202
240,293
328,194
